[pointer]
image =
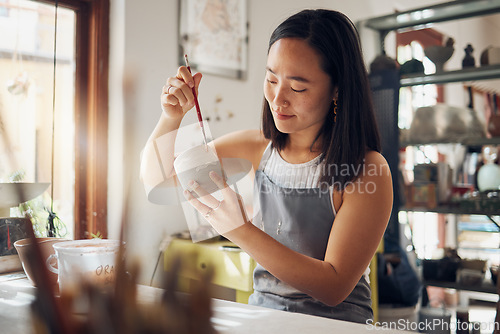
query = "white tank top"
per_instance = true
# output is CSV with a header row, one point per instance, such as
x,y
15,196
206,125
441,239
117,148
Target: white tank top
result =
x,y
294,176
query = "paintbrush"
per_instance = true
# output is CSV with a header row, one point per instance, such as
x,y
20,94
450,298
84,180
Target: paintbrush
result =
x,y
198,110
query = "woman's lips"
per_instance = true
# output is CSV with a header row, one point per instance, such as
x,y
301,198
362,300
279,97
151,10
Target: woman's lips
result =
x,y
282,117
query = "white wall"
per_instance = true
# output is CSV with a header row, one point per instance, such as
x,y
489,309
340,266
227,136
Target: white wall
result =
x,y
144,50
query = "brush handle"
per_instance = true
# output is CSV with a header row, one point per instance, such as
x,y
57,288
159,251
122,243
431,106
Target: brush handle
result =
x,y
198,110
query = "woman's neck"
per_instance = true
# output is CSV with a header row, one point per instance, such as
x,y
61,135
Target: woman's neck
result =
x,y
299,149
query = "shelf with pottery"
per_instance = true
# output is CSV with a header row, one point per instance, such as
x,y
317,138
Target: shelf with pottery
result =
x,y
431,126
460,199
465,142
419,18
442,12
469,75
484,287
449,209
485,72
461,274
432,189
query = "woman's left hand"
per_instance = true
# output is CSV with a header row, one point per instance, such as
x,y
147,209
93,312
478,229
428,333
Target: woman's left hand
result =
x,y
224,216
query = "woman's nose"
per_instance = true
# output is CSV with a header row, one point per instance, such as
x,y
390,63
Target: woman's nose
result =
x,y
280,97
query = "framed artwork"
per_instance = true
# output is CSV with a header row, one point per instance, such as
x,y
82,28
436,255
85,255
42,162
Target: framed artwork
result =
x,y
214,35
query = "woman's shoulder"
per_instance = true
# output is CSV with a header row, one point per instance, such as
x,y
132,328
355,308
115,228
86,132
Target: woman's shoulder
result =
x,y
375,167
375,171
374,157
372,189
245,144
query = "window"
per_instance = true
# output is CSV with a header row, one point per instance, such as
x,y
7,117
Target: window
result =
x,y
81,105
26,59
4,9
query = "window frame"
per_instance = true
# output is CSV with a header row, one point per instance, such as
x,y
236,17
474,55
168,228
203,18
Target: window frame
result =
x,y
91,114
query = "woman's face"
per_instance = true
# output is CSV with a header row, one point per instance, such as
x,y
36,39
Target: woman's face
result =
x,y
298,91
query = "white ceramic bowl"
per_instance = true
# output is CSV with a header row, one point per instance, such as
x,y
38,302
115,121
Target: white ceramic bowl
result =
x,y
195,164
91,260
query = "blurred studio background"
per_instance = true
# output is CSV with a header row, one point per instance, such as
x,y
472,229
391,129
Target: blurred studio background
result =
x,y
77,120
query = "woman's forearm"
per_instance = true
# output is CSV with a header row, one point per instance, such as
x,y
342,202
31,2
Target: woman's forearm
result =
x,y
177,98
317,278
157,158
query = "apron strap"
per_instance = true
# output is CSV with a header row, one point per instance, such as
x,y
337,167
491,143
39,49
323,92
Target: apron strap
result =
x,y
265,156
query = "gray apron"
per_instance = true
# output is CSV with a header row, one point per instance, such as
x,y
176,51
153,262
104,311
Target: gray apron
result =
x,y
300,219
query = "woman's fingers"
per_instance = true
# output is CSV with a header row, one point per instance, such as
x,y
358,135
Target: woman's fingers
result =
x,y
227,192
168,98
199,206
220,183
203,194
185,75
188,82
197,79
224,216
178,90
184,83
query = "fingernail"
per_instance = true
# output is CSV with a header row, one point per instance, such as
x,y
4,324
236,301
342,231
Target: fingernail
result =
x,y
193,184
213,175
187,193
191,84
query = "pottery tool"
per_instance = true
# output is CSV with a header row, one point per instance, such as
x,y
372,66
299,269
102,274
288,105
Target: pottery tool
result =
x,y
198,111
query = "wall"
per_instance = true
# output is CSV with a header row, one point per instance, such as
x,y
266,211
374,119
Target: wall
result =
x,y
143,52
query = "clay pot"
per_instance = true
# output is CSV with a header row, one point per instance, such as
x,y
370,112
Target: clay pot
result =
x,y
490,56
24,248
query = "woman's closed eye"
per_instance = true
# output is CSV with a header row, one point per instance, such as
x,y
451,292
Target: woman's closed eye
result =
x,y
273,82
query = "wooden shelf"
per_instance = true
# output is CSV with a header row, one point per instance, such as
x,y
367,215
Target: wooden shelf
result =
x,y
482,249
466,142
452,210
448,11
485,287
422,18
481,141
470,74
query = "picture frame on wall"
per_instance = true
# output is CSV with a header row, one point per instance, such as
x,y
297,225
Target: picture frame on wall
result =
x,y
214,35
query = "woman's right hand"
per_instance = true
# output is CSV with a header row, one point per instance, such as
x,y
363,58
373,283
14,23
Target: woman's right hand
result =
x,y
177,96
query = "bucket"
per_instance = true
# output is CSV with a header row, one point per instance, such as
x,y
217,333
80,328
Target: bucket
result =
x,y
91,260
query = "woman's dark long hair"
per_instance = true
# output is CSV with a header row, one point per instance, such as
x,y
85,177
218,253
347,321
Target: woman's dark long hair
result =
x,y
346,140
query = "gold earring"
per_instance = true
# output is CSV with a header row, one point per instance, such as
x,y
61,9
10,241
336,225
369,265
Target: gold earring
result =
x,y
335,110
